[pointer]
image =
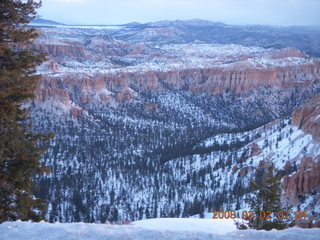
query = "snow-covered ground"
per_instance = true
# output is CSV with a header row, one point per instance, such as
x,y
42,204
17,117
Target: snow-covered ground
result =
x,y
165,228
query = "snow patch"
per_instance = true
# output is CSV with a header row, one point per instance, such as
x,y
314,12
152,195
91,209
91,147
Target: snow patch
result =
x,y
155,229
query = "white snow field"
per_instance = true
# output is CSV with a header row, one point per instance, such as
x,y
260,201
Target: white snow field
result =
x,y
152,229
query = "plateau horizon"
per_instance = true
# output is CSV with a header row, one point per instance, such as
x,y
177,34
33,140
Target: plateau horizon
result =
x,y
191,21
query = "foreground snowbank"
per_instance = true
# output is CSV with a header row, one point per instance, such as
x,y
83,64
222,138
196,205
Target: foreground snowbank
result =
x,y
170,228
188,224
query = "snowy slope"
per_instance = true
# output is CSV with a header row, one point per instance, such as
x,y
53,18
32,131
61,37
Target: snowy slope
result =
x,y
154,229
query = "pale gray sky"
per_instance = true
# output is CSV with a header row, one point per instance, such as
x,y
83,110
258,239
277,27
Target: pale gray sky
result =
x,y
269,12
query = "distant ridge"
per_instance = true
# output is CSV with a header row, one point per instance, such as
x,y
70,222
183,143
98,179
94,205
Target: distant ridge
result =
x,y
44,22
164,23
179,23
174,23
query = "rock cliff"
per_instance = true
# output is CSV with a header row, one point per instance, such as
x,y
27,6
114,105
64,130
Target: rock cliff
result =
x,y
305,180
307,117
210,80
63,50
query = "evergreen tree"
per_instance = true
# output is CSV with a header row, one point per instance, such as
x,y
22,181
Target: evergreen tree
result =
x,y
267,201
20,148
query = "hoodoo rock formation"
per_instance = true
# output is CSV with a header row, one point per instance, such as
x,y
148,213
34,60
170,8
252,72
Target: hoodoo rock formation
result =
x,y
211,81
305,180
307,117
285,53
65,50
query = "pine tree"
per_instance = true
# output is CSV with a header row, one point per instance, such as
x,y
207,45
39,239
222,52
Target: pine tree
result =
x,y
20,148
267,201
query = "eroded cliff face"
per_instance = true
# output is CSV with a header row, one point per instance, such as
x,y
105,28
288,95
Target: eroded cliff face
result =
x,y
302,188
285,53
211,81
305,180
63,50
240,78
307,117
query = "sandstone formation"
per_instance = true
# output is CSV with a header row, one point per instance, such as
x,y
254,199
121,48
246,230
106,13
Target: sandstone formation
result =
x,y
53,66
63,50
212,81
255,150
243,172
55,94
307,117
305,180
285,53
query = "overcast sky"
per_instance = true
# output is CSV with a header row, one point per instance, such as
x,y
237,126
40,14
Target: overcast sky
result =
x,y
270,12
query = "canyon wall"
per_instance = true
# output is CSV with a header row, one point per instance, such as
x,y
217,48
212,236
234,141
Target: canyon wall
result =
x,y
212,81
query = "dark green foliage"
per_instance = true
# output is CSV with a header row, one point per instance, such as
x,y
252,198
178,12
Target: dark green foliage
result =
x,y
20,149
267,187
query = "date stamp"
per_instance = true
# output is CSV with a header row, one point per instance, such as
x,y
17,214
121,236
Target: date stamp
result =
x,y
249,215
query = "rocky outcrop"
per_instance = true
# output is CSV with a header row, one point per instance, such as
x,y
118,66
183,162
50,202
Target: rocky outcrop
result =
x,y
55,94
75,111
82,89
305,180
63,50
243,172
284,53
150,107
53,66
307,117
255,150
